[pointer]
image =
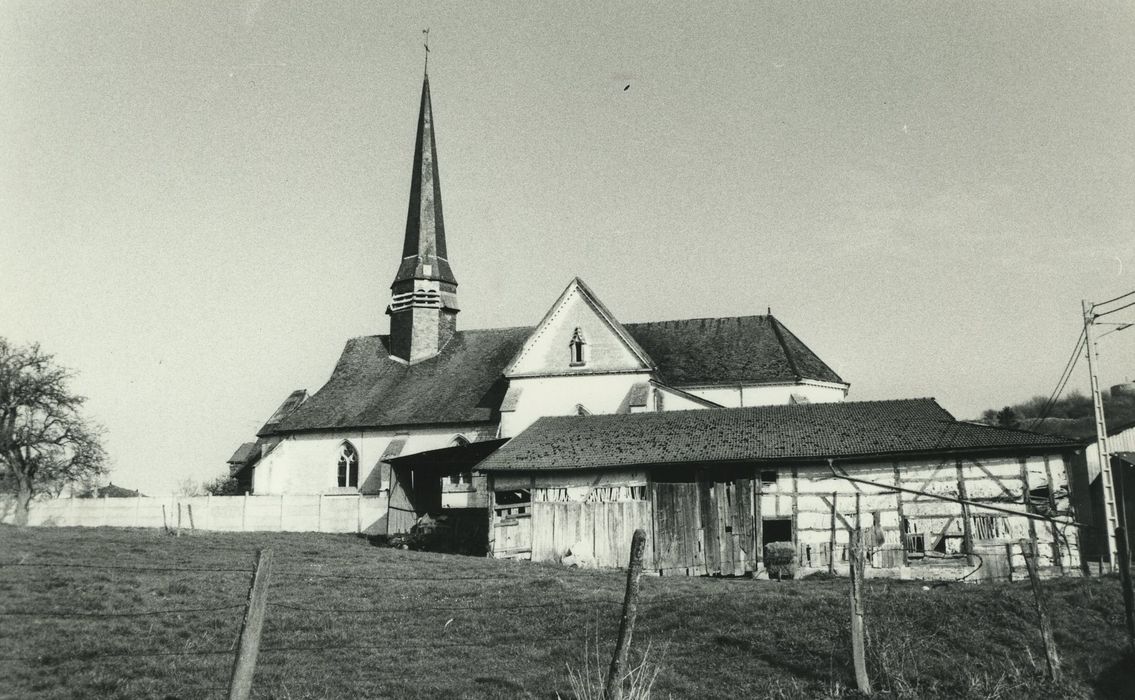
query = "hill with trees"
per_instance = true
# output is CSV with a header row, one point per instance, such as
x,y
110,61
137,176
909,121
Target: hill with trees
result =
x,y
1070,416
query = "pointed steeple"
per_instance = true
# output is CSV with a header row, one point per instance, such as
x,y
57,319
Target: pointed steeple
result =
x,y
423,251
423,306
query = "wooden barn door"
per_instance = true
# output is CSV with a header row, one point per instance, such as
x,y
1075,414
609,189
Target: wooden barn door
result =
x,y
705,527
677,529
727,518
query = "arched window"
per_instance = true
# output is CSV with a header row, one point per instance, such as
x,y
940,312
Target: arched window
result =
x,y
465,477
348,465
576,347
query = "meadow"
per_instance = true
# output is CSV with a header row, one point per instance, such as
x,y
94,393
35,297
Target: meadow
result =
x,y
120,613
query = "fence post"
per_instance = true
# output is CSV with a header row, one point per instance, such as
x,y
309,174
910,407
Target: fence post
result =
x,y
189,509
614,690
855,563
831,536
178,531
1050,654
165,522
248,647
1124,556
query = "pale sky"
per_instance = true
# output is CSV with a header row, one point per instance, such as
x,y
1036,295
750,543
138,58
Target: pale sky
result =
x,y
201,202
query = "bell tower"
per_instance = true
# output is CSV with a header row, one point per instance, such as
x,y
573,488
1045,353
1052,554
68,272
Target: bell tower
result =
x,y
423,305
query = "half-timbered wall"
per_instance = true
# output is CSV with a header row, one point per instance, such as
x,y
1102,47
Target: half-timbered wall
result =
x,y
716,520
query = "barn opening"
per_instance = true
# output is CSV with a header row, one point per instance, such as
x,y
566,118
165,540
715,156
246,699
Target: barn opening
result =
x,y
776,530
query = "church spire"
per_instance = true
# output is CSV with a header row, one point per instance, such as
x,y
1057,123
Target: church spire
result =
x,y
423,308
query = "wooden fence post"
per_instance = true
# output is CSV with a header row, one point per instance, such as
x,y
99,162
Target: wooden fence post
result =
x,y
165,522
248,647
856,562
614,690
1050,654
1124,556
831,536
189,509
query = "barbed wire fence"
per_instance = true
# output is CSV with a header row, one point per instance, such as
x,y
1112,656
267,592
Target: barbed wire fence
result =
x,y
287,598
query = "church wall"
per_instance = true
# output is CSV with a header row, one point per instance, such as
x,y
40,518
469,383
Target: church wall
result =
x,y
736,396
559,396
307,463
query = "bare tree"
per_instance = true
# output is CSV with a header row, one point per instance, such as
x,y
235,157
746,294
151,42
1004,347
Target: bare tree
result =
x,y
45,443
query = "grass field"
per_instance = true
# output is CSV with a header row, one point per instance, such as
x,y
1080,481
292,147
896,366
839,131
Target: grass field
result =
x,y
348,619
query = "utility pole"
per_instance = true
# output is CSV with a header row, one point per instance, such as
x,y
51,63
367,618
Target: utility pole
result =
x,y
1111,519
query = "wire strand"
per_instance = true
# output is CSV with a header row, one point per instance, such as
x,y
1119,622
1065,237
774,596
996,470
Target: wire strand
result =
x,y
1121,308
1121,296
69,614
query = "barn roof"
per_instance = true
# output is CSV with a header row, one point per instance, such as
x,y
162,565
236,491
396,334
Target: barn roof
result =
x,y
764,433
464,384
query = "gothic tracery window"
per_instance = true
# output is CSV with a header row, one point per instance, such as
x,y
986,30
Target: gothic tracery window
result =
x,y
576,346
348,465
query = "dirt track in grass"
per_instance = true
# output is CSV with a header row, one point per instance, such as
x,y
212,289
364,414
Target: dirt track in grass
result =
x,y
136,613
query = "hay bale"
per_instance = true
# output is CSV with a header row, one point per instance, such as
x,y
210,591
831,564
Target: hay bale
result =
x,y
780,560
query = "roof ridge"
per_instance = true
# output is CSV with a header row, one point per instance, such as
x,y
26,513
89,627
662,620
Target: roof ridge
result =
x,y
700,318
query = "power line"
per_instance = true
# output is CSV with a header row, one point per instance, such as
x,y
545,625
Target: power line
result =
x,y
1062,382
1121,308
1121,296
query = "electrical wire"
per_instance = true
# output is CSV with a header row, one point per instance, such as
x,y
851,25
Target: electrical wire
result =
x,y
1121,296
1121,308
1062,382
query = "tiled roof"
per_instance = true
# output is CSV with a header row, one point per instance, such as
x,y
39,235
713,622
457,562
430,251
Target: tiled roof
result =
x,y
289,406
243,453
763,433
464,384
728,350
461,385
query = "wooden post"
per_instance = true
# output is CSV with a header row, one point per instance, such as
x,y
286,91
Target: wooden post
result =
x,y
858,623
189,509
1050,654
1124,556
165,522
248,647
967,525
831,535
614,690
177,531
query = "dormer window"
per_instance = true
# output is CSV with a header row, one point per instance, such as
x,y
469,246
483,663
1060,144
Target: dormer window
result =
x,y
577,349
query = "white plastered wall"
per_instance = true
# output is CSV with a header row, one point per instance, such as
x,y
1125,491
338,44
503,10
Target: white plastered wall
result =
x,y
560,396
737,395
307,463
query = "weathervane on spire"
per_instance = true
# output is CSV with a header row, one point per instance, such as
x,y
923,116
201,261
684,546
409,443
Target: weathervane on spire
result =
x,y
427,45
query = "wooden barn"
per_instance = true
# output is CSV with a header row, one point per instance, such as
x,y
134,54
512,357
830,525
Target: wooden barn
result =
x,y
711,488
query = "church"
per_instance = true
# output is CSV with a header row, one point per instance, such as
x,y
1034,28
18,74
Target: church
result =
x,y
716,436
428,385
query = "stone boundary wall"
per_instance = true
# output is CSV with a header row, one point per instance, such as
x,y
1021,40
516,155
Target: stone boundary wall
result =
x,y
327,513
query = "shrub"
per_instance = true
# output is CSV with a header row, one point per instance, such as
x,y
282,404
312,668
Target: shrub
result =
x,y
780,560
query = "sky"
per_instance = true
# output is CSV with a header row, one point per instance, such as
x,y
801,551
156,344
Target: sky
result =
x,y
201,202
